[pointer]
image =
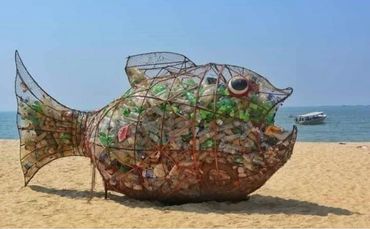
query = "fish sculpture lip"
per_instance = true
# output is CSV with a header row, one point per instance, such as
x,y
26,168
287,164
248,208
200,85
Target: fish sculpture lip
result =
x,y
182,132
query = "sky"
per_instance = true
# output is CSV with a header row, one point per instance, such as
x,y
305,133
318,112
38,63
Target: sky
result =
x,y
76,50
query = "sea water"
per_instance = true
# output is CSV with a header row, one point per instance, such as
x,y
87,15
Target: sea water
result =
x,y
8,126
344,123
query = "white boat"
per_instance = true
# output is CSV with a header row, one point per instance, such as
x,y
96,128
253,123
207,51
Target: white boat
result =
x,y
311,118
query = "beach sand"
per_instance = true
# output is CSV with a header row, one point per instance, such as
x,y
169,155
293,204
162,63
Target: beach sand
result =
x,y
322,185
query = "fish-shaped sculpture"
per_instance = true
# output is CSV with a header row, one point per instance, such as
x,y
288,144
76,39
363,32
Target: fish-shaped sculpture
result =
x,y
182,132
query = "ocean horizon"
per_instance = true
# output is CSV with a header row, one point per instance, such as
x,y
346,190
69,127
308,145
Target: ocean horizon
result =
x,y
345,123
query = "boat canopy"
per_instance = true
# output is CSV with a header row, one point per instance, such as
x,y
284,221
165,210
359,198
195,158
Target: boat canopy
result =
x,y
311,114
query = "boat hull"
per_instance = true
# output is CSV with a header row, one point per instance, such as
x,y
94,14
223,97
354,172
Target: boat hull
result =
x,y
312,122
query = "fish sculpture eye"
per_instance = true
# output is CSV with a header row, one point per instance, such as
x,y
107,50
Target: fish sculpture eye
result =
x,y
238,85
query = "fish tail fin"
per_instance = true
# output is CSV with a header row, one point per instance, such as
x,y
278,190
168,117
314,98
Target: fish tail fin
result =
x,y
47,129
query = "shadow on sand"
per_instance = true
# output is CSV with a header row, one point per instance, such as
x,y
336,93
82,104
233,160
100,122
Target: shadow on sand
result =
x,y
257,204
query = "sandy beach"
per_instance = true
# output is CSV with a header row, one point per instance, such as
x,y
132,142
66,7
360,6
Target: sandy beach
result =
x,y
322,185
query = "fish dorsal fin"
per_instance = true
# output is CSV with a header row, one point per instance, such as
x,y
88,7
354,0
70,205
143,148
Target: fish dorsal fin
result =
x,y
141,67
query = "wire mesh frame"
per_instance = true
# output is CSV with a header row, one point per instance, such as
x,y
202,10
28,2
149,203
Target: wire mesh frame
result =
x,y
164,71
